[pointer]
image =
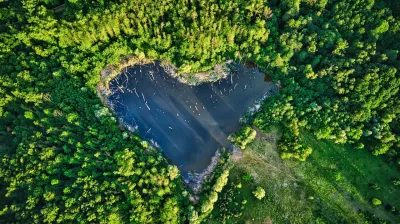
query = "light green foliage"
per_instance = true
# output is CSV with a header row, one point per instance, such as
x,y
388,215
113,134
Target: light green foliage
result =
x,y
341,46
193,216
173,172
101,112
259,193
243,137
125,160
170,212
214,185
221,181
208,205
376,201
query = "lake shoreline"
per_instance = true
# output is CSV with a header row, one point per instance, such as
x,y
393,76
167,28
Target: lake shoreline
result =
x,y
220,71
196,181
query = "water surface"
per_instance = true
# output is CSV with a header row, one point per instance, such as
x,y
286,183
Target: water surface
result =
x,y
189,123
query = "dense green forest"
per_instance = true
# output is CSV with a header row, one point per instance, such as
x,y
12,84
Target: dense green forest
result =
x,y
64,157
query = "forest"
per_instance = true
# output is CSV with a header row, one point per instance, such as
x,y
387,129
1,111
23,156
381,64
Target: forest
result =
x,y
64,158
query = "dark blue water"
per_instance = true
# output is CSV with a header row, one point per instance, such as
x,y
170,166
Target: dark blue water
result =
x,y
189,123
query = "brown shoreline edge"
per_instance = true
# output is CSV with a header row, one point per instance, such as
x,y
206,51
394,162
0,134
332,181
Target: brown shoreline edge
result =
x,y
195,181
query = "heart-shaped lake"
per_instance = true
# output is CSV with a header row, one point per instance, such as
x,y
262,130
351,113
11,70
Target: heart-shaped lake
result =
x,y
189,123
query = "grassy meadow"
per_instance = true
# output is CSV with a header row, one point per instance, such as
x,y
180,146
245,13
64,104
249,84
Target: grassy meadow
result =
x,y
335,185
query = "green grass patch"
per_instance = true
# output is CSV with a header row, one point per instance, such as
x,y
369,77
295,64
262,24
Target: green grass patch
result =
x,y
332,186
343,177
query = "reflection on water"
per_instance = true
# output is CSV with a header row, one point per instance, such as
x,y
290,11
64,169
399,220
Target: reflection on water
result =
x,y
189,123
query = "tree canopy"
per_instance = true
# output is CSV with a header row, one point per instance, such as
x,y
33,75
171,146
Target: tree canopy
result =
x,y
64,157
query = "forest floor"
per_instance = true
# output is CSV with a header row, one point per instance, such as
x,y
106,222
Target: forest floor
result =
x,y
332,186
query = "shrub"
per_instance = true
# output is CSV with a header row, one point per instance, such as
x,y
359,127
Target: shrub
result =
x,y
208,205
221,181
259,193
247,178
359,146
245,136
193,216
376,202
